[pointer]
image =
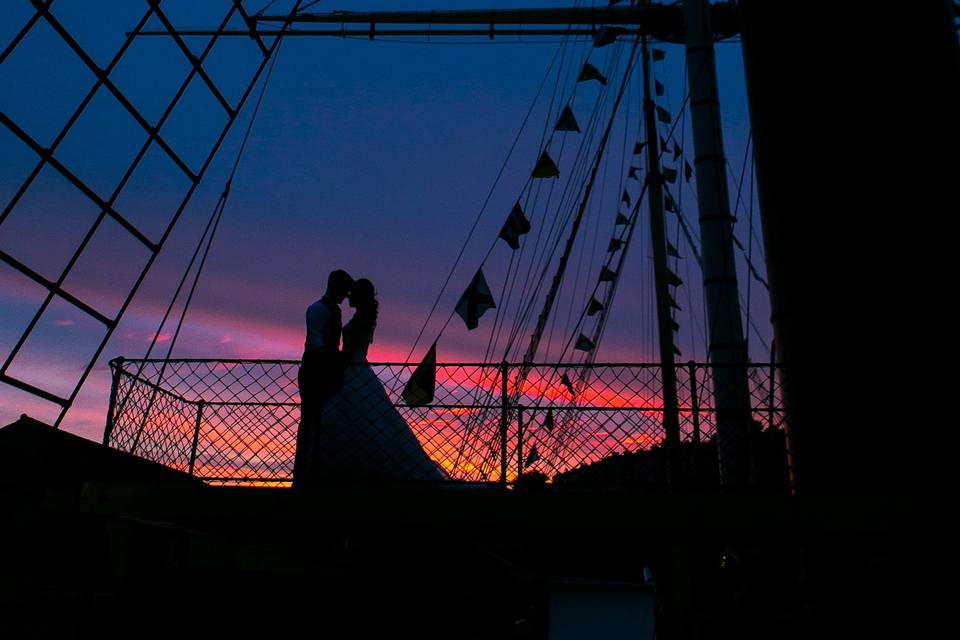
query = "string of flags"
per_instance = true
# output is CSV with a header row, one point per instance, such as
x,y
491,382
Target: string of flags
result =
x,y
477,299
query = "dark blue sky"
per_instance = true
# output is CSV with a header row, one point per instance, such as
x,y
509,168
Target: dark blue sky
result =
x,y
370,156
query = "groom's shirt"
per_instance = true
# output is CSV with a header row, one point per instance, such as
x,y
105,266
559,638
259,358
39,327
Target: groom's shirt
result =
x,y
323,326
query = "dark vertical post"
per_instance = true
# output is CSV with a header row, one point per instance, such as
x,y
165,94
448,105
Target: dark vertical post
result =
x,y
196,436
827,122
694,403
117,364
504,419
519,441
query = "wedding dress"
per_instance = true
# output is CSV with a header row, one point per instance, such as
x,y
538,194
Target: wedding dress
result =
x,y
361,435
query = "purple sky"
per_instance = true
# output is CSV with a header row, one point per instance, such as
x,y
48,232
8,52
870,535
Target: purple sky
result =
x,y
370,156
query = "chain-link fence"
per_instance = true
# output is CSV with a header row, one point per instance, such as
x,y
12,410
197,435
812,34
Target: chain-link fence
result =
x,y
236,421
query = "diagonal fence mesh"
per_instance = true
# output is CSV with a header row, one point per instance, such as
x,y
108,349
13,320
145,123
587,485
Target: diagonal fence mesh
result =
x,y
236,421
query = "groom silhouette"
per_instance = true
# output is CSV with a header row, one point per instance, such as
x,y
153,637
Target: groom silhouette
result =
x,y
321,370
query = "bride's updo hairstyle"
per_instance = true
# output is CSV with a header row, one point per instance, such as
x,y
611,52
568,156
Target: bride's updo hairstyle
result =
x,y
364,298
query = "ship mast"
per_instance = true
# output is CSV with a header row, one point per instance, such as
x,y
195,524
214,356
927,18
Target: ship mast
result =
x,y
727,348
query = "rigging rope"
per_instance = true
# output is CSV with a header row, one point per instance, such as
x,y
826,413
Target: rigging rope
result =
x,y
211,227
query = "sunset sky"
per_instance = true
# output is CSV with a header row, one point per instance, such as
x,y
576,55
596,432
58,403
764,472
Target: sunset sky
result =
x,y
374,157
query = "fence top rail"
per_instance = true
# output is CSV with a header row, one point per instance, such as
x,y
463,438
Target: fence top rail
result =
x,y
490,365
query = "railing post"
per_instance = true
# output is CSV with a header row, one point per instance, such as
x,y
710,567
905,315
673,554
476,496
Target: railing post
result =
x,y
773,392
504,418
519,441
196,436
694,403
117,364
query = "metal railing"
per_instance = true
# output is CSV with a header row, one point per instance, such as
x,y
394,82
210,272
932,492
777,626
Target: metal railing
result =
x,y
236,421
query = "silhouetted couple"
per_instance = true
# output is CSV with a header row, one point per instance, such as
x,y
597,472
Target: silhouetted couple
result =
x,y
349,429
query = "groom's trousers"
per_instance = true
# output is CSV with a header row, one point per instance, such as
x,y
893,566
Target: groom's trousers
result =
x,y
318,378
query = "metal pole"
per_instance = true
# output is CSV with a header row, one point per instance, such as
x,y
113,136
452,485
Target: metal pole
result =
x,y
504,417
117,364
196,436
725,331
658,238
519,441
694,403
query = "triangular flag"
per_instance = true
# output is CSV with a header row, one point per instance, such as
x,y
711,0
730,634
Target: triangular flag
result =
x,y
677,151
673,279
633,173
548,421
606,275
590,72
532,457
625,198
546,167
638,147
674,325
420,387
595,307
670,175
622,219
565,380
475,301
669,203
615,245
672,251
515,226
659,54
673,303
676,351
608,35
584,344
658,87
567,122
687,171
663,115
663,143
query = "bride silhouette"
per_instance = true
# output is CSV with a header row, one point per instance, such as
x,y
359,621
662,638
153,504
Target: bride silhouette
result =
x,y
362,436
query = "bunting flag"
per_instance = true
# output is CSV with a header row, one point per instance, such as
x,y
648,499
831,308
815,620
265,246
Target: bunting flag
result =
x,y
663,143
584,344
670,175
590,72
663,115
633,173
595,307
548,421
672,251
625,198
606,275
687,171
565,380
673,279
615,245
622,219
669,203
673,303
658,55
677,151
638,147
607,35
658,87
674,325
532,457
676,351
420,387
567,122
515,226
475,301
546,167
